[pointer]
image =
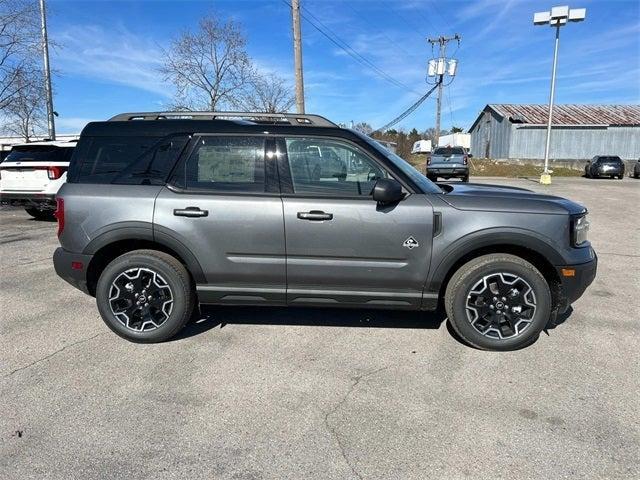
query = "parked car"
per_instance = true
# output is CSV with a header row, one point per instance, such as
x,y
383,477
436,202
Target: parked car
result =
x,y
636,169
32,173
162,214
448,162
604,166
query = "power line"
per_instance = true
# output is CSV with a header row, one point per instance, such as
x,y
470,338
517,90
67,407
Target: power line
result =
x,y
408,111
344,46
381,31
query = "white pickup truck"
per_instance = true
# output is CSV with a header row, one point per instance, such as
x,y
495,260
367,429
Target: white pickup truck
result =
x,y
32,174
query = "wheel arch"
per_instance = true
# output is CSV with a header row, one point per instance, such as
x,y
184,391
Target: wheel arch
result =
x,y
530,248
117,242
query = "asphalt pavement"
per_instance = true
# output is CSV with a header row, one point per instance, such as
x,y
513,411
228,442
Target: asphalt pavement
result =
x,y
250,393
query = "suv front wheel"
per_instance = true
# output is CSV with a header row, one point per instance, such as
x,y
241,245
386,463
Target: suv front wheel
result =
x,y
498,302
145,296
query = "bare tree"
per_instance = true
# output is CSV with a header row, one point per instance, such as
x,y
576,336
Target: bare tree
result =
x,y
19,46
363,127
267,93
26,115
210,67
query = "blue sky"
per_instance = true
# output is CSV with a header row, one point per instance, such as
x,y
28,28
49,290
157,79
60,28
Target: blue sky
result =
x,y
110,50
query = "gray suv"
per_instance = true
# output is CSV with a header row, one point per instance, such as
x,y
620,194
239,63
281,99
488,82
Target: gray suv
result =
x,y
164,211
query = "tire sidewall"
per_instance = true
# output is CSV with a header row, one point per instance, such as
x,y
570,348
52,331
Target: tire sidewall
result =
x,y
180,300
540,319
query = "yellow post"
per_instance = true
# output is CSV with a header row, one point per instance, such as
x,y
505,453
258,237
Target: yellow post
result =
x,y
545,178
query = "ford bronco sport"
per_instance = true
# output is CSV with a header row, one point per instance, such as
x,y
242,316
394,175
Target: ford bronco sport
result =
x,y
165,211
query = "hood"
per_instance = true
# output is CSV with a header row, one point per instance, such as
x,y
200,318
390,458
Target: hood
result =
x,y
499,198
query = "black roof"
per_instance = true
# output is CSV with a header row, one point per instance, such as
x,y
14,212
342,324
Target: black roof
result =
x,y
161,128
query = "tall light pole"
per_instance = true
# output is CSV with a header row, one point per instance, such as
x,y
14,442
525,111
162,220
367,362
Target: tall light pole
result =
x,y
47,72
297,51
557,17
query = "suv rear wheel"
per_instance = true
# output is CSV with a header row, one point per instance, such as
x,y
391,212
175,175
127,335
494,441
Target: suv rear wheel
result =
x,y
145,296
498,302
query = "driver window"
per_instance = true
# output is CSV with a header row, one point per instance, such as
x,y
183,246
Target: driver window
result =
x,y
322,166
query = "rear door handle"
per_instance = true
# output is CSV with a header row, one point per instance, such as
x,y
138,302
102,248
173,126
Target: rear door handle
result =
x,y
190,212
315,215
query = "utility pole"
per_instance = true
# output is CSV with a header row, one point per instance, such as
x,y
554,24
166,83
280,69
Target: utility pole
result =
x,y
438,68
297,51
47,72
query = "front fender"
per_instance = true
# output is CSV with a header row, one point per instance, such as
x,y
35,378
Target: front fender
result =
x,y
486,238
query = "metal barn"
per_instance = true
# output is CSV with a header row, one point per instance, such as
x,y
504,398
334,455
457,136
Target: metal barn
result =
x,y
507,131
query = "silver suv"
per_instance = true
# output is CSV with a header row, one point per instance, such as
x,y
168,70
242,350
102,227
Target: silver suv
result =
x,y
165,211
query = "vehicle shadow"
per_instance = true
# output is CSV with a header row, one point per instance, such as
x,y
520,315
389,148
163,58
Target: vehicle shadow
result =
x,y
211,317
221,316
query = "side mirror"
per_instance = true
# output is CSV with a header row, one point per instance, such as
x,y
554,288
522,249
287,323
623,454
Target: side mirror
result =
x,y
387,190
469,155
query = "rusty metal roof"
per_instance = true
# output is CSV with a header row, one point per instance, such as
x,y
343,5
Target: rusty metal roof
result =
x,y
570,114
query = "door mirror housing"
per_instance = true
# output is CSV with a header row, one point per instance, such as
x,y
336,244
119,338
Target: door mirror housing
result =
x,y
387,190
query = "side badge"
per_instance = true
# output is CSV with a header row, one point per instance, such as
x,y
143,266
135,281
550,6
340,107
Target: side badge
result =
x,y
411,243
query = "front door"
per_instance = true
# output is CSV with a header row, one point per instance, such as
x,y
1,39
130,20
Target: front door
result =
x,y
223,209
342,247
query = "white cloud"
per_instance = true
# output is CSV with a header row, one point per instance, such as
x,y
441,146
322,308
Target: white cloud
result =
x,y
113,56
72,124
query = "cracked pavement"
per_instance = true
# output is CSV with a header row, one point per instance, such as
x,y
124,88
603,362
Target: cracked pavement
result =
x,y
320,394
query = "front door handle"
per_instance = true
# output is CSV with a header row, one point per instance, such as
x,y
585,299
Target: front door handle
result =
x,y
315,215
190,212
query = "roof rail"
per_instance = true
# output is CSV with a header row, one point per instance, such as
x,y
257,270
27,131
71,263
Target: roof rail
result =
x,y
257,117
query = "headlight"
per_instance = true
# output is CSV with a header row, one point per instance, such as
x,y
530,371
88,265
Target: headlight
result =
x,y
579,230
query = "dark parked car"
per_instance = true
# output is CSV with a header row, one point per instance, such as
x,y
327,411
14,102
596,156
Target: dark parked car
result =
x,y
636,169
604,166
161,213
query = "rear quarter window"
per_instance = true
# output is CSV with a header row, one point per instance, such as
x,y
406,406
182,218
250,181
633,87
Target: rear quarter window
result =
x,y
126,160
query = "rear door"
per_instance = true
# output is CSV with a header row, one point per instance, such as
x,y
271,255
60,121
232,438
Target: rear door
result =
x,y
342,247
224,206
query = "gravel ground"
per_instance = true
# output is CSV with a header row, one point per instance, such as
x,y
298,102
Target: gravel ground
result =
x,y
328,394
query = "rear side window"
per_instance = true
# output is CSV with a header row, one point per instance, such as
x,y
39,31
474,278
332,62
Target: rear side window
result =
x,y
126,160
231,164
40,153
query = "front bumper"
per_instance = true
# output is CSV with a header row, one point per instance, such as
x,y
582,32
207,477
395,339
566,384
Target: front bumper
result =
x,y
29,199
572,287
72,268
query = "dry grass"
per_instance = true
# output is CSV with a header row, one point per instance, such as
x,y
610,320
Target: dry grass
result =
x,y
492,168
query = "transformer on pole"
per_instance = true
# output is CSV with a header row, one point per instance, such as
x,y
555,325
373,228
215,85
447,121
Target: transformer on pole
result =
x,y
437,69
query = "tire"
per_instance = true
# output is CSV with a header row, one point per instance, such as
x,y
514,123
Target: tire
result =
x,y
432,178
474,281
121,285
40,214
465,179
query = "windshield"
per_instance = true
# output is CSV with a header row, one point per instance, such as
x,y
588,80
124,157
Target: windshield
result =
x,y
426,185
39,153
